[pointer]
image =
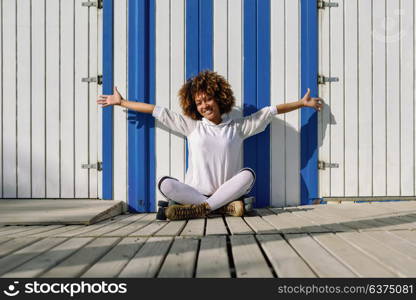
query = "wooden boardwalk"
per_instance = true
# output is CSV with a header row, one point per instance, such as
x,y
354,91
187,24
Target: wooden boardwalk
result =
x,y
334,240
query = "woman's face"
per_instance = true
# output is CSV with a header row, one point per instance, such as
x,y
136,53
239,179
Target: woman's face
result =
x,y
208,107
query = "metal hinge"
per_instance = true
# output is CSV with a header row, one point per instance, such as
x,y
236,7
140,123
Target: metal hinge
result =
x,y
323,79
98,79
323,165
323,4
98,166
98,3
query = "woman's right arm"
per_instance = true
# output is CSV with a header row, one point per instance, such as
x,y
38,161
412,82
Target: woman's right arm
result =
x,y
117,99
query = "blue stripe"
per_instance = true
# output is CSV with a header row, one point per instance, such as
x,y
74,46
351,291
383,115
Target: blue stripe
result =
x,y
107,131
141,88
257,92
199,40
309,117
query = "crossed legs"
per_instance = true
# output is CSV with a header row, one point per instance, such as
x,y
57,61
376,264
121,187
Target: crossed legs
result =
x,y
237,186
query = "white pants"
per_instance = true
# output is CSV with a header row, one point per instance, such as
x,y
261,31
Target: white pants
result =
x,y
235,187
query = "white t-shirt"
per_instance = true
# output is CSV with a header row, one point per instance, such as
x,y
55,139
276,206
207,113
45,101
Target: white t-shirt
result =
x,y
214,151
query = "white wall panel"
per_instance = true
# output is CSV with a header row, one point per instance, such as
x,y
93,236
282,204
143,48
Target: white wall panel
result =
x,y
23,99
170,76
9,102
120,115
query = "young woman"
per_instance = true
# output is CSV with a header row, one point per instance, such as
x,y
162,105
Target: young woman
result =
x,y
215,178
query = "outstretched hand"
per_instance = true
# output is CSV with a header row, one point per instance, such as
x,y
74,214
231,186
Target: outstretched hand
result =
x,y
309,101
107,100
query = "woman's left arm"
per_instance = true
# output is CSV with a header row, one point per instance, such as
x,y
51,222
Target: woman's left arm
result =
x,y
306,101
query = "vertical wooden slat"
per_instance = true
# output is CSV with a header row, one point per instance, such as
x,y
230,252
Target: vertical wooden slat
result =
x,y
67,99
23,99
379,99
324,118
235,47
393,96
407,98
9,106
120,115
365,109
177,71
162,136
337,99
93,107
292,92
100,91
53,182
220,47
277,96
351,98
38,101
81,99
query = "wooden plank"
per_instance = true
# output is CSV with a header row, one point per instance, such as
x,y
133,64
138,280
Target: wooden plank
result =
x,y
83,259
9,116
324,118
113,226
111,264
177,79
38,100
150,229
136,225
35,230
277,96
321,262
285,261
23,99
360,263
4,239
248,259
120,115
16,244
408,235
173,228
194,227
379,99
215,226
53,128
58,232
163,86
325,222
407,94
213,258
283,222
181,259
337,148
292,158
47,260
81,94
67,99
259,225
401,245
84,229
220,37
21,256
235,61
387,256
365,75
148,259
393,98
94,110
238,226
304,224
351,93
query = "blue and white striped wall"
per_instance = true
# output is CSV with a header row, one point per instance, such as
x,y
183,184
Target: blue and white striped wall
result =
x,y
254,44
